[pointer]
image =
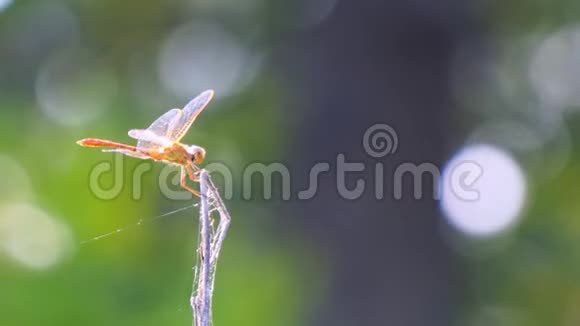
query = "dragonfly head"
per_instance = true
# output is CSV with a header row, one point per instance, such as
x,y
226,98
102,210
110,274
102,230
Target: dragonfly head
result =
x,y
197,153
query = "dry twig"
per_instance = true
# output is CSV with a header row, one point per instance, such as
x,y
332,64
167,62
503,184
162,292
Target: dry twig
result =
x,y
208,250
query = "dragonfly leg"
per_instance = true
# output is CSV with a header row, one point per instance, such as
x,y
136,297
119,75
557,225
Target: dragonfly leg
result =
x,y
195,168
193,173
184,184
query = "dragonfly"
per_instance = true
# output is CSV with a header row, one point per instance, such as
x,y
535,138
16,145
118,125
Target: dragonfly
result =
x,y
162,141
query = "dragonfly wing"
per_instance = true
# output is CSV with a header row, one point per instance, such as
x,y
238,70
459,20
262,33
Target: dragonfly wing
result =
x,y
128,153
162,127
149,136
189,114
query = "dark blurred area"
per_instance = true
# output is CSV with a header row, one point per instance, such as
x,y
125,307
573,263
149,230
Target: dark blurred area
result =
x,y
429,150
374,62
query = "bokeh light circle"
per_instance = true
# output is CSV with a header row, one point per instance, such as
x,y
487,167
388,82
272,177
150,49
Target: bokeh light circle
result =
x,y
4,4
484,191
199,56
32,237
16,183
554,70
74,87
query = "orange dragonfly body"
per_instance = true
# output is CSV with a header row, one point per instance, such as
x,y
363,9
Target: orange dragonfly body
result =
x,y
161,141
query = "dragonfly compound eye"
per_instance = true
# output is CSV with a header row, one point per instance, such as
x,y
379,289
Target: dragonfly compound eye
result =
x,y
197,154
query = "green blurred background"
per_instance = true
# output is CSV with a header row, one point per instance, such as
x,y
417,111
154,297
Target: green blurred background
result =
x,y
295,83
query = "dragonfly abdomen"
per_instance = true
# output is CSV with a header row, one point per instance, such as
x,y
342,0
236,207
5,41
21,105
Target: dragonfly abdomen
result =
x,y
103,143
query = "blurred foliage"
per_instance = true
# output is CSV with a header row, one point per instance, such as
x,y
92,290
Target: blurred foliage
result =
x,y
143,275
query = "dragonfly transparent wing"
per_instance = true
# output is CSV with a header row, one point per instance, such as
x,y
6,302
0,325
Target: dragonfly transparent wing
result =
x,y
128,153
189,114
163,127
149,136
